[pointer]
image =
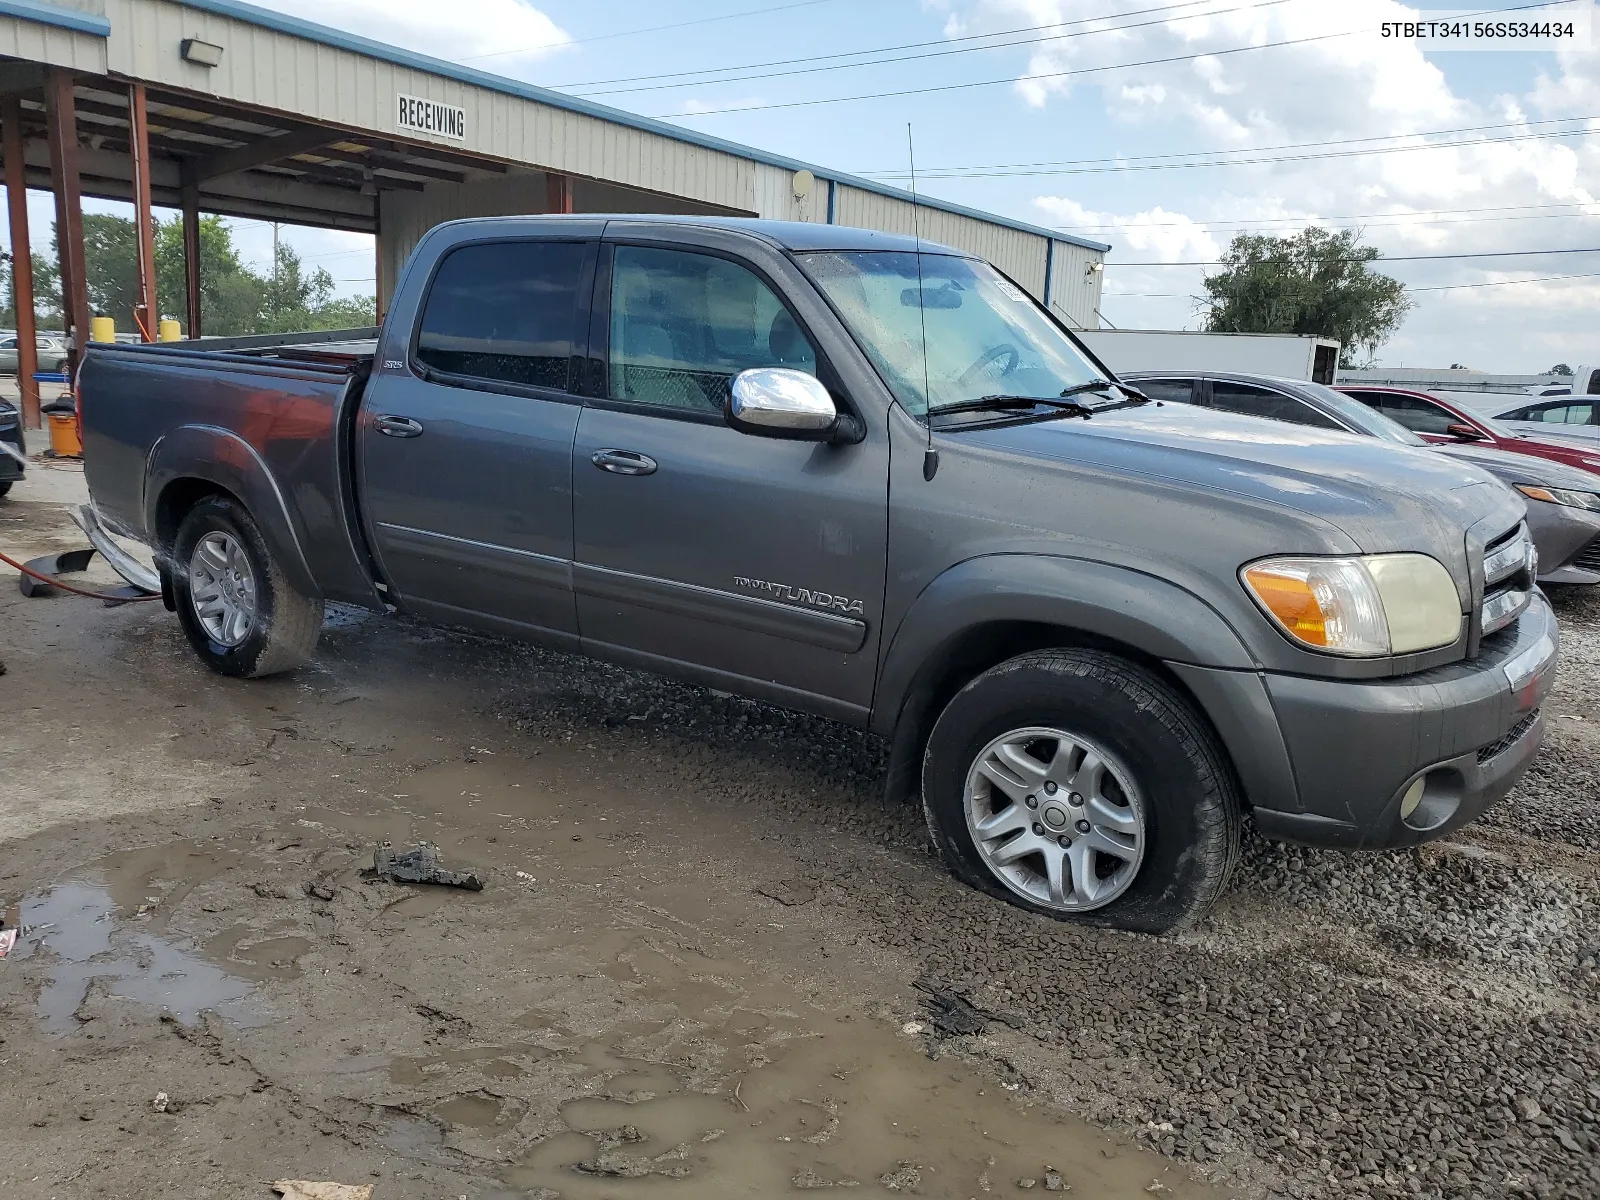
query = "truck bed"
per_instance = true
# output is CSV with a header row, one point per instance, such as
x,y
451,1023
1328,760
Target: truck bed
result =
x,y
269,422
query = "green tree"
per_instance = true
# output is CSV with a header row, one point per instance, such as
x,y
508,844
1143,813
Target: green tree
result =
x,y
111,267
231,295
1560,369
1316,283
46,295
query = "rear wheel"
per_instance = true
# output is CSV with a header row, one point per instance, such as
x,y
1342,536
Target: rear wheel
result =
x,y
237,608
1078,784
6,486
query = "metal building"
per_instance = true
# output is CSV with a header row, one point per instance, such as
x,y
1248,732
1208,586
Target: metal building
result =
x,y
218,106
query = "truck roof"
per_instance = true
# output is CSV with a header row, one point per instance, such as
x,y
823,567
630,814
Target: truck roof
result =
x,y
789,235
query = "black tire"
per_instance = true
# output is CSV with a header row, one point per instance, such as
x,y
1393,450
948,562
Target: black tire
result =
x,y
1186,788
287,623
6,487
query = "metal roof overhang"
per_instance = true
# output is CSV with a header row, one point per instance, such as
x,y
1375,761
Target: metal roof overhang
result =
x,y
245,162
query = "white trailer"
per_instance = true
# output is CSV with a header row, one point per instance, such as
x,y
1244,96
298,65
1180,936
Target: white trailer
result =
x,y
1286,355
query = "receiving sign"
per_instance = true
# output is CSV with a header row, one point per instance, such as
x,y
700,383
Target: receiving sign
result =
x,y
428,116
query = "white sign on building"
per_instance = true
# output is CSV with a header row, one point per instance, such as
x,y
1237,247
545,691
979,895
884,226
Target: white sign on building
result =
x,y
429,116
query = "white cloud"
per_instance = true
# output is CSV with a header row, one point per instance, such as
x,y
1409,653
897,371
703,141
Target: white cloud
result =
x,y
486,27
1329,90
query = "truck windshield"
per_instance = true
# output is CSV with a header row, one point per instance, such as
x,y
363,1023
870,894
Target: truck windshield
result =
x,y
984,336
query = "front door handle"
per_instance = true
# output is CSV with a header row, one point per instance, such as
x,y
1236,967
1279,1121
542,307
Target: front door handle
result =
x,y
399,426
624,462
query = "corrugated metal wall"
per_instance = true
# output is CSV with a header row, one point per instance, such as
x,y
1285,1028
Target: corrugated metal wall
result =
x,y
39,43
1075,285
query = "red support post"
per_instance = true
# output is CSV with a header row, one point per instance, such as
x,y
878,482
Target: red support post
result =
x,y
21,260
146,314
61,119
558,192
191,256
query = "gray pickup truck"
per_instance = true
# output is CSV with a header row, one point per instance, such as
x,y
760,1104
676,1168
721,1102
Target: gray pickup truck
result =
x,y
870,478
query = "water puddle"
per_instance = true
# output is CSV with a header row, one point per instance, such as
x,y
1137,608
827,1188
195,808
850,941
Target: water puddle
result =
x,y
92,950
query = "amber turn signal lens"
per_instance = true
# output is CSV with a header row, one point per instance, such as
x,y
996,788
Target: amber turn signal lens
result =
x,y
1289,596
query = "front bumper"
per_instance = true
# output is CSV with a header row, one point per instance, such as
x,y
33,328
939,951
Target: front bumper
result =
x,y
1469,730
1564,536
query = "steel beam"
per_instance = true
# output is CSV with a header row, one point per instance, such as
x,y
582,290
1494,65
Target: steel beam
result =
x,y
21,260
273,150
146,314
191,257
62,121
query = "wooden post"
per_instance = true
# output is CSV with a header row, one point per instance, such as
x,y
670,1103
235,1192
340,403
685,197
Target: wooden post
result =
x,y
558,192
191,255
145,313
21,260
61,118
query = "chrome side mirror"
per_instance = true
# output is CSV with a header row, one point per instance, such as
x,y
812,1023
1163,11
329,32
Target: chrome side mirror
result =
x,y
782,403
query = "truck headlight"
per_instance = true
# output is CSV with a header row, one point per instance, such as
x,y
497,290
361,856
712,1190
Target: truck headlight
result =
x,y
1564,496
1366,607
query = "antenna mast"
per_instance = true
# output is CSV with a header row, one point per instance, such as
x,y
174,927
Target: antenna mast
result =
x,y
930,456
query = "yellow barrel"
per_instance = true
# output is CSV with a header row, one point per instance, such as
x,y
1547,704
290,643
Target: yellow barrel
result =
x,y
102,329
64,440
171,331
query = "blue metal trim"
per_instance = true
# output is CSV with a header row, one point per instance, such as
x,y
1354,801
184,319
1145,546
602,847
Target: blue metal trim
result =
x,y
832,193
61,18
295,26
1049,265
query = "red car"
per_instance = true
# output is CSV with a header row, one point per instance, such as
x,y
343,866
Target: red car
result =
x,y
1436,419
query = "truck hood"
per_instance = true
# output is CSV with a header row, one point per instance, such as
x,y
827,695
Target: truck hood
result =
x,y
1382,496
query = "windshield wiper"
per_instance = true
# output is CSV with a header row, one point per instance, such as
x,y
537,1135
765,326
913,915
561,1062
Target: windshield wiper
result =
x,y
1099,386
1002,403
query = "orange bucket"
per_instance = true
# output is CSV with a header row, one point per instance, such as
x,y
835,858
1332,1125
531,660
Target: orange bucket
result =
x,y
64,439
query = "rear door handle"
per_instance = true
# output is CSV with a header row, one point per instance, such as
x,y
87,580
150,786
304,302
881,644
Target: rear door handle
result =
x,y
624,462
399,426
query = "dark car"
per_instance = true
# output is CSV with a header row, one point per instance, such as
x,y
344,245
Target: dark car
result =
x,y
11,453
1563,501
1444,420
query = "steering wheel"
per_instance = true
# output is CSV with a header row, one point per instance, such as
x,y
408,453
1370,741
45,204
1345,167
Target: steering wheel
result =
x,y
993,354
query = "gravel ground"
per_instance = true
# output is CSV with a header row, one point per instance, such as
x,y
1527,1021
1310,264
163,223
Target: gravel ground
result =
x,y
1408,1024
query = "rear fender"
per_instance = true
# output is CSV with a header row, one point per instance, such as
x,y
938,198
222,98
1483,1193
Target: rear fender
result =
x,y
223,458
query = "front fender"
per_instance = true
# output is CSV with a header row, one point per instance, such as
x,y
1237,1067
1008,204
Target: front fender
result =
x,y
1155,617
221,457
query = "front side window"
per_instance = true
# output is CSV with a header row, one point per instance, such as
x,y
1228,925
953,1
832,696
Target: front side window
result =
x,y
684,324
944,330
1255,401
1416,414
1563,414
504,312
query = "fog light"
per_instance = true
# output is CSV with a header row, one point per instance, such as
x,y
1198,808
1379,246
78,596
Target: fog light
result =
x,y
1412,798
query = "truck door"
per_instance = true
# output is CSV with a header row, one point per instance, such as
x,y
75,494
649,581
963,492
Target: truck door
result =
x,y
732,558
465,438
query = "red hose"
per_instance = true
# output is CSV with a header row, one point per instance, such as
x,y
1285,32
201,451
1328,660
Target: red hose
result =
x,y
53,581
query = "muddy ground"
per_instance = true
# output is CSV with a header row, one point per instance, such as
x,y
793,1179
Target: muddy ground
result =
x,y
709,959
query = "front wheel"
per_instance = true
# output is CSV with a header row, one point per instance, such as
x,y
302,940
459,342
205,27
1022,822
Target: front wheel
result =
x,y
237,609
1078,784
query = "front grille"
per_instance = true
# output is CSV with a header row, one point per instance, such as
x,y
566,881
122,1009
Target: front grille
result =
x,y
1512,737
1589,557
1509,566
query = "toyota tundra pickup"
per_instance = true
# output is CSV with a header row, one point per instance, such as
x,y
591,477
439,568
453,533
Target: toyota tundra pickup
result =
x,y
864,476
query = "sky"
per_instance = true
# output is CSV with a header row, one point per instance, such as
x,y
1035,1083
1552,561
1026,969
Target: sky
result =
x,y
1060,112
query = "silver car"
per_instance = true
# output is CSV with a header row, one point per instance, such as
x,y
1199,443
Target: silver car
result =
x,y
52,353
1565,418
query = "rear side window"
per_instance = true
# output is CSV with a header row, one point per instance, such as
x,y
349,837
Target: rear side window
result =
x,y
684,324
1180,391
1594,383
1582,413
1255,401
505,312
